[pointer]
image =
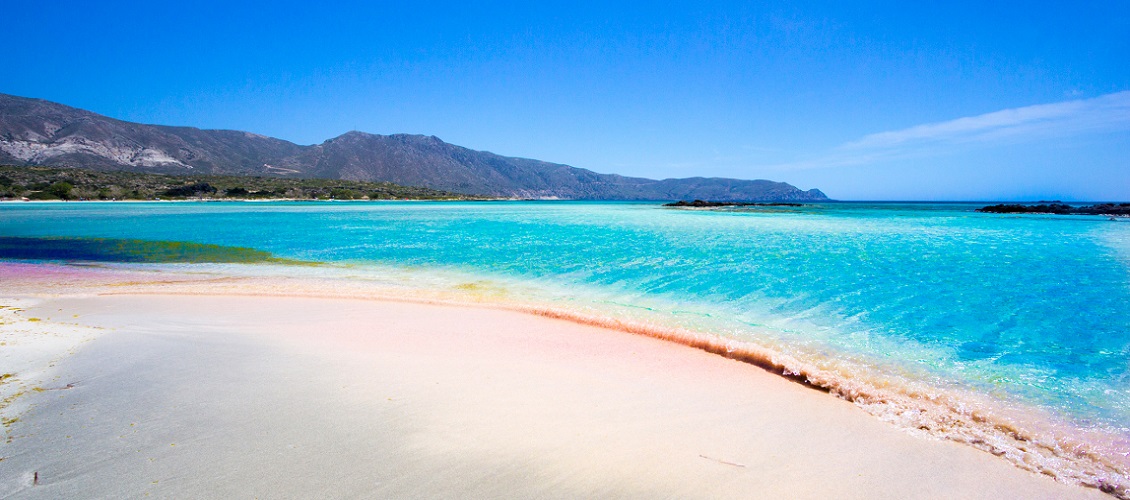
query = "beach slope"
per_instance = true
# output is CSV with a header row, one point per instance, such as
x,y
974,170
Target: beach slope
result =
x,y
210,396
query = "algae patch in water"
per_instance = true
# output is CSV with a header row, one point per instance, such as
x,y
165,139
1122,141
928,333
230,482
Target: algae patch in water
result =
x,y
122,250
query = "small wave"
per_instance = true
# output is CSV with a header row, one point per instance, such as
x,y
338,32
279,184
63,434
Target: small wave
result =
x,y
1031,441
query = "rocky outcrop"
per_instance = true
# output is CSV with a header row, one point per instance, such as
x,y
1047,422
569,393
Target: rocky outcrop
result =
x,y
1059,208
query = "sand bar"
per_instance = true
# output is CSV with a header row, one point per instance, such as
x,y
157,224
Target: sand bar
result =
x,y
219,395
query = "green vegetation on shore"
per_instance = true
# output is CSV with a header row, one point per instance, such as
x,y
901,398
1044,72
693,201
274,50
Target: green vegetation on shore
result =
x,y
51,183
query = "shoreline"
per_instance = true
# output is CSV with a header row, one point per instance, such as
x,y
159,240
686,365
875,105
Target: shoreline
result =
x,y
111,282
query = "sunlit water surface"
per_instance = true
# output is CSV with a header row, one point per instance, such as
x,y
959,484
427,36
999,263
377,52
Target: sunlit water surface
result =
x,y
1029,309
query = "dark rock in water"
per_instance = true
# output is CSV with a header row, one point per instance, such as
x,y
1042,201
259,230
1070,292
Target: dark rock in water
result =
x,y
1108,209
1051,208
1059,208
706,204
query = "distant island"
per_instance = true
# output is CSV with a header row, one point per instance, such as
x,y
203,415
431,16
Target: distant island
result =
x,y
37,132
1059,208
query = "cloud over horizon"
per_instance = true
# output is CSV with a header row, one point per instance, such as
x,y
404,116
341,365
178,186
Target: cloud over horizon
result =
x,y
1110,112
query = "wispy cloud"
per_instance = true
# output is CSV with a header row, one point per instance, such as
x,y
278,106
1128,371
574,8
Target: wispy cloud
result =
x,y
1029,123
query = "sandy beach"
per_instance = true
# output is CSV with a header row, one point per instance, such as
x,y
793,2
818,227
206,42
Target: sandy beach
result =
x,y
189,389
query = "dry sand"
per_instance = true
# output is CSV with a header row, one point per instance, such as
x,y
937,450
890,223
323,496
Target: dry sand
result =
x,y
297,397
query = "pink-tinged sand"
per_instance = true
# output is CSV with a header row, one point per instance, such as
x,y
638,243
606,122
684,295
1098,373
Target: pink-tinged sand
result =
x,y
296,397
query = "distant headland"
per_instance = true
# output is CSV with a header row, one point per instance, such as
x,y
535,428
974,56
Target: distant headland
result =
x,y
43,133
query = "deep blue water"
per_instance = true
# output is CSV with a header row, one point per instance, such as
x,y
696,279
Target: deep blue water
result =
x,y
1029,308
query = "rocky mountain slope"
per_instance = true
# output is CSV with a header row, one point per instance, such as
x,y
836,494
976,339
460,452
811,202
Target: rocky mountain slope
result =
x,y
38,132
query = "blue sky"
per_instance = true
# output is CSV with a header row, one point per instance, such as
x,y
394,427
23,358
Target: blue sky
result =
x,y
876,100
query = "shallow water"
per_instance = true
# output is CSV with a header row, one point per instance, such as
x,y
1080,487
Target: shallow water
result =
x,y
1029,309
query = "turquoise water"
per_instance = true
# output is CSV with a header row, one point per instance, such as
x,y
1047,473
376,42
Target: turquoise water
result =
x,y
1028,309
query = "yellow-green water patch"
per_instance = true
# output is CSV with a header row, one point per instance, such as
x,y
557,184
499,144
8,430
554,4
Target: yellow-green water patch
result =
x,y
127,250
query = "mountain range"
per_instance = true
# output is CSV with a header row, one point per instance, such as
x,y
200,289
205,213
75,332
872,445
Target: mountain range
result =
x,y
39,132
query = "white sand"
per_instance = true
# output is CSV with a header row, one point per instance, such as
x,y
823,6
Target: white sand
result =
x,y
226,396
29,350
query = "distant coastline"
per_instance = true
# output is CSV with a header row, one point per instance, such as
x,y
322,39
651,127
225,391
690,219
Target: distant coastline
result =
x,y
43,133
